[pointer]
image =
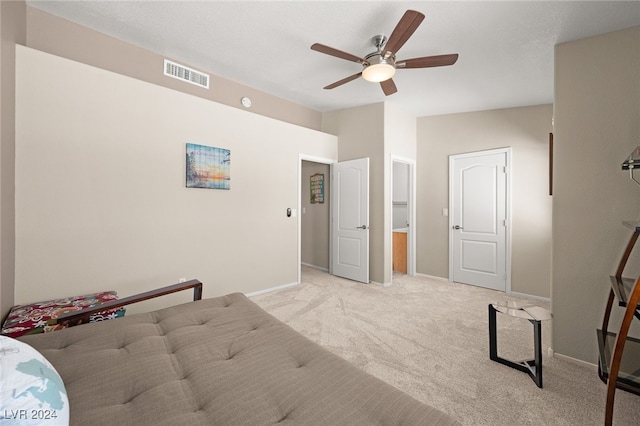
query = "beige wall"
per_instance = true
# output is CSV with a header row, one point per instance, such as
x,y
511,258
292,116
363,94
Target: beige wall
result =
x,y
597,124
49,33
526,130
400,132
315,218
12,31
101,201
377,131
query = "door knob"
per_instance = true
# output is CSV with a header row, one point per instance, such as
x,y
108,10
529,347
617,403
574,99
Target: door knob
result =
x,y
362,227
457,227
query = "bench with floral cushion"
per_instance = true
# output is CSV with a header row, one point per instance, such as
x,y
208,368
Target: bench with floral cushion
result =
x,y
42,317
55,314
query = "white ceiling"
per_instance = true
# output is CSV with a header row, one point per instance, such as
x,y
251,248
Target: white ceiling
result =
x,y
506,48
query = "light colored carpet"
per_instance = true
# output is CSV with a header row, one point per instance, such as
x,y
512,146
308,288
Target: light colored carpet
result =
x,y
429,338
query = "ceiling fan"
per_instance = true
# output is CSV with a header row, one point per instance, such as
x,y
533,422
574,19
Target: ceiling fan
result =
x,y
381,65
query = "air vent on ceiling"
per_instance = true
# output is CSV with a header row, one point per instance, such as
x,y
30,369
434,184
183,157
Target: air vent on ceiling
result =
x,y
187,74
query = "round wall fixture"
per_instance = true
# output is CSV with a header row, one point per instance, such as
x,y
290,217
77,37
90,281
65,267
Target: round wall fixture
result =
x,y
246,102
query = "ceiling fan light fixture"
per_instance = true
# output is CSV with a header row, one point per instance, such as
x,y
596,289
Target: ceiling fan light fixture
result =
x,y
381,65
377,72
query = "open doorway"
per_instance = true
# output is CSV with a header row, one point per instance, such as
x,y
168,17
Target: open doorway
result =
x,y
334,248
315,213
402,217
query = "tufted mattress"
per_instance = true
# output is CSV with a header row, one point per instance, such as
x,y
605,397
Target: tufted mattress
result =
x,y
221,361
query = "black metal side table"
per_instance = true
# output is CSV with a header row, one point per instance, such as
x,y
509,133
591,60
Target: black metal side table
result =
x,y
535,315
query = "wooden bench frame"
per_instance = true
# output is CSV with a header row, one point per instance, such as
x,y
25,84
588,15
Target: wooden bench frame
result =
x,y
81,317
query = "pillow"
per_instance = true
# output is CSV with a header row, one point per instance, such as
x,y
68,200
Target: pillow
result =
x,y
32,392
41,317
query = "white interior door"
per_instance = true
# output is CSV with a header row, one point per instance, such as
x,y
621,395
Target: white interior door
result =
x,y
478,220
350,219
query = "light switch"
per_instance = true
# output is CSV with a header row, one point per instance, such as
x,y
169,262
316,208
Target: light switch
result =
x,y
445,212
304,210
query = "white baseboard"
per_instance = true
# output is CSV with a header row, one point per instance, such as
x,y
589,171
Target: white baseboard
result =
x,y
432,277
513,293
530,296
572,360
269,290
315,267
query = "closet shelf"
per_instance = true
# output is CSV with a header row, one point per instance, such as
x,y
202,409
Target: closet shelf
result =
x,y
629,373
622,288
632,224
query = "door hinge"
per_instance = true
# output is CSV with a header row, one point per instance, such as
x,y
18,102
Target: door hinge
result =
x,y
504,169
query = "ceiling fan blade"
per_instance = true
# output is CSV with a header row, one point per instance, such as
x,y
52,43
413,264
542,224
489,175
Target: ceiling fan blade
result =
x,y
343,81
409,22
388,87
428,61
335,52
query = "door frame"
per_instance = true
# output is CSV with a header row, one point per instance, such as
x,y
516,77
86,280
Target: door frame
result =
x,y
507,152
314,159
411,215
